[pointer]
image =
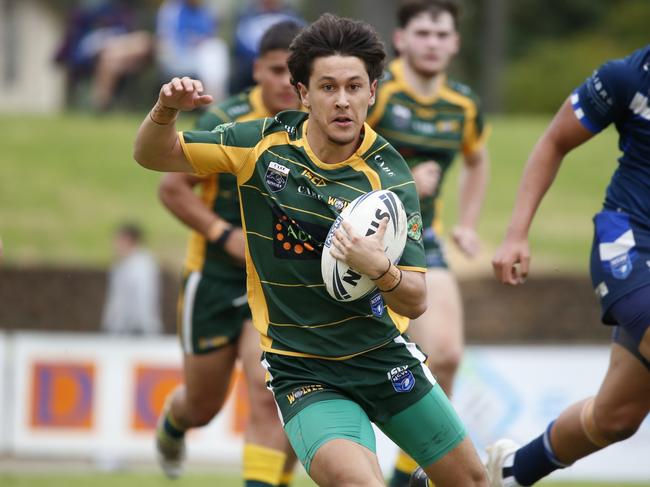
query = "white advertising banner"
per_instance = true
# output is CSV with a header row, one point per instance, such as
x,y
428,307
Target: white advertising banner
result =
x,y
92,395
515,392
98,396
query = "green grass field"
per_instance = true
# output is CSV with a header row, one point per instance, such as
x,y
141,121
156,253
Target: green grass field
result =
x,y
66,181
204,480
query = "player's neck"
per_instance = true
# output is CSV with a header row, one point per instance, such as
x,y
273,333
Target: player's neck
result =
x,y
325,149
423,85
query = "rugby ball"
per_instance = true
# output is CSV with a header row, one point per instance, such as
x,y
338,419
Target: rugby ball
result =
x,y
342,282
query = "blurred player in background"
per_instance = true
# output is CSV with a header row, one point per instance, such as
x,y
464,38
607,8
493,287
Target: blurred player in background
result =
x,y
214,318
616,93
333,366
429,119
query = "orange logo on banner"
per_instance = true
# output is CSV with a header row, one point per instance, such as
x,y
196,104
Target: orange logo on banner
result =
x,y
62,395
152,385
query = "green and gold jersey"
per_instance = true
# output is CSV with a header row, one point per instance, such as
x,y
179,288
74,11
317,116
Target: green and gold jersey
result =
x,y
219,191
424,129
289,199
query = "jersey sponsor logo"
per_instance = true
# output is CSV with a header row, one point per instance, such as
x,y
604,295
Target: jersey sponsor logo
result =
x,y
383,166
447,126
424,128
639,105
401,116
377,305
339,204
276,176
336,202
310,193
296,239
301,392
238,110
209,343
317,181
223,127
414,227
401,378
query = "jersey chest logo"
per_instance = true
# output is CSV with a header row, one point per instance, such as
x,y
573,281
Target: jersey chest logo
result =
x,y
276,176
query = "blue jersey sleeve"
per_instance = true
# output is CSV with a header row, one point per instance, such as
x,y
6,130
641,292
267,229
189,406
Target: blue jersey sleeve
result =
x,y
603,97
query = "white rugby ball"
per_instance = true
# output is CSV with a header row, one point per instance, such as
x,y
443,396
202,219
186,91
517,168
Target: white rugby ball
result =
x,y
342,282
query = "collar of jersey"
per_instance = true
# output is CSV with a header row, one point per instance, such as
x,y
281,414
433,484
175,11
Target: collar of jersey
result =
x,y
397,68
368,139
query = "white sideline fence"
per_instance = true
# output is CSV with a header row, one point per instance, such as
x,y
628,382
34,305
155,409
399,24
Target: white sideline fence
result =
x,y
98,397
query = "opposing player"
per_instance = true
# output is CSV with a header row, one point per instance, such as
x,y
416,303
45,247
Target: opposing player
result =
x,y
333,367
429,119
616,93
214,318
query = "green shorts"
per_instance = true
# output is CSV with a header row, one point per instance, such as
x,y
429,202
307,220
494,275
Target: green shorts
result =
x,y
320,400
211,312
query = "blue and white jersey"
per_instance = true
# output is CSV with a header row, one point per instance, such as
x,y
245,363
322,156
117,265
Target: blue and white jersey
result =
x,y
618,93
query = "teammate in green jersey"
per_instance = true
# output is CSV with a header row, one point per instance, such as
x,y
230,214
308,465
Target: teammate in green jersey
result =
x,y
429,119
214,319
333,366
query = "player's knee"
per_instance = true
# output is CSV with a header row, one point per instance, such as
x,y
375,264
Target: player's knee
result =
x,y
446,362
604,424
618,424
201,412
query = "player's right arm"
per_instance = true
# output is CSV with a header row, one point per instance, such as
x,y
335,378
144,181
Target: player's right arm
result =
x,y
565,132
157,145
176,191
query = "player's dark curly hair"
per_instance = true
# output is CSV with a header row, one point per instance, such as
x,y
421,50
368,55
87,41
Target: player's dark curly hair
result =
x,y
331,35
407,9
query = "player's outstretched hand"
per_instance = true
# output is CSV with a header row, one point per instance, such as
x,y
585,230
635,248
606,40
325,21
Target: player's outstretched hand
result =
x,y
466,239
364,254
511,261
183,94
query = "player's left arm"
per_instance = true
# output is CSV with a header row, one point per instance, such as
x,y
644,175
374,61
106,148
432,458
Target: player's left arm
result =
x,y
473,183
403,291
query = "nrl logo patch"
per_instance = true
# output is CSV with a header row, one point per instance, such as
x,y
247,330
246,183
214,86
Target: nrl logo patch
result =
x,y
401,378
414,227
276,176
377,305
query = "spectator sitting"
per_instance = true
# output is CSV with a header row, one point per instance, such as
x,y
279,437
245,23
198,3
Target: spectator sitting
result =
x,y
252,24
133,298
188,46
101,42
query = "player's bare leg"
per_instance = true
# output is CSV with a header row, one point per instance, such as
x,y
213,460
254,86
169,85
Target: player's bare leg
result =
x,y
193,404
268,457
344,463
613,415
439,333
461,466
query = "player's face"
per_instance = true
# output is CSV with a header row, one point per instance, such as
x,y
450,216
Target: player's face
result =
x,y
428,44
271,73
338,97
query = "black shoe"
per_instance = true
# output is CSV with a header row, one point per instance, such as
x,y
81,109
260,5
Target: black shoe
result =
x,y
419,478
